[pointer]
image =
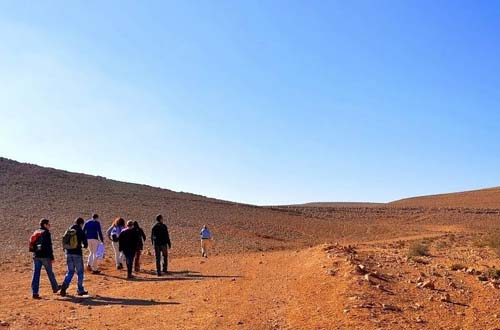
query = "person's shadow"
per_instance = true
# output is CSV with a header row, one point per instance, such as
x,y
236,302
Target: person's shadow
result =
x,y
98,300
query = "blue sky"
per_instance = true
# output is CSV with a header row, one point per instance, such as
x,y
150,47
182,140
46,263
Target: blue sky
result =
x,y
263,102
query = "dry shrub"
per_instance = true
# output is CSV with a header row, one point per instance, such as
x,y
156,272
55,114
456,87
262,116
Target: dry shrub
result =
x,y
493,273
418,248
493,241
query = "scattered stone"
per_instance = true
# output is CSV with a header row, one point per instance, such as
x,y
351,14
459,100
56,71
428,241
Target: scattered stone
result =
x,y
240,323
332,272
4,323
418,319
445,298
482,278
388,307
428,284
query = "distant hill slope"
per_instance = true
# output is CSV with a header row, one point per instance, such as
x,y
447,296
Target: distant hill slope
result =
x,y
339,204
483,198
30,192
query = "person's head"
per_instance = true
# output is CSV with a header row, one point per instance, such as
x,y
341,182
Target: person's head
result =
x,y
79,221
95,216
136,224
119,222
44,223
159,218
130,224
204,226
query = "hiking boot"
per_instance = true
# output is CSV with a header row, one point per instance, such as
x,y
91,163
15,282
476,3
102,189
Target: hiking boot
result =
x,y
120,266
83,293
130,276
59,287
62,292
95,272
89,268
36,296
158,273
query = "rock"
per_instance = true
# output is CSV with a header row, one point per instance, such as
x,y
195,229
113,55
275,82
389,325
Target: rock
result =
x,y
331,272
240,323
482,278
361,269
388,307
428,284
418,319
445,298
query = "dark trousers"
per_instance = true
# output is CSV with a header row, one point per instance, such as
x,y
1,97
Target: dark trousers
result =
x,y
159,250
129,259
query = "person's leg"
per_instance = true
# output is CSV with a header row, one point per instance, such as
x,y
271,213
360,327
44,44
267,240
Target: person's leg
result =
x,y
164,250
47,264
93,244
129,257
71,271
158,252
78,262
137,262
35,282
117,254
202,248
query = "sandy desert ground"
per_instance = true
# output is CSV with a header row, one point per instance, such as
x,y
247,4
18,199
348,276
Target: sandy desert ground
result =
x,y
423,263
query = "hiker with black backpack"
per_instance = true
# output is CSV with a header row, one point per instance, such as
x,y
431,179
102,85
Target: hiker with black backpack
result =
x,y
43,255
113,234
73,240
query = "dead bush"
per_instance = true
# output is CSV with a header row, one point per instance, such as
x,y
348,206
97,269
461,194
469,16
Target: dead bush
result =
x,y
418,249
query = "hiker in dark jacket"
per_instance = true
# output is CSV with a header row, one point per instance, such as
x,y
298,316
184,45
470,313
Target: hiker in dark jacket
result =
x,y
43,255
128,243
161,243
74,259
140,246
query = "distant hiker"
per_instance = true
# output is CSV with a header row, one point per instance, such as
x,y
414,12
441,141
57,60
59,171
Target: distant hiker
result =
x,y
128,242
113,234
161,243
73,241
92,229
205,241
140,246
43,255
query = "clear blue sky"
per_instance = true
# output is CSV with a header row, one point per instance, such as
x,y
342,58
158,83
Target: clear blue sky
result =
x,y
263,102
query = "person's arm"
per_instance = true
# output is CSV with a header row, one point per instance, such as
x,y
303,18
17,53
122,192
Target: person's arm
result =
x,y
143,234
99,232
152,235
49,245
168,238
108,232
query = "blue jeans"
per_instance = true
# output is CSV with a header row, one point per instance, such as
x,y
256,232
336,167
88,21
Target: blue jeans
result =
x,y
75,263
37,269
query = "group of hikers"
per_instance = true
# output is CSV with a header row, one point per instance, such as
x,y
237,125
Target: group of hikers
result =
x,y
127,239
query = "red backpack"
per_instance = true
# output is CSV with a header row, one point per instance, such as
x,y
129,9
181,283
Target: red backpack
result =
x,y
36,240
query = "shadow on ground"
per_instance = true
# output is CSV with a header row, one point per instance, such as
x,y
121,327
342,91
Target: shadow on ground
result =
x,y
184,275
106,301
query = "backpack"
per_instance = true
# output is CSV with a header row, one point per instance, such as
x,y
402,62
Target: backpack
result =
x,y
35,243
70,239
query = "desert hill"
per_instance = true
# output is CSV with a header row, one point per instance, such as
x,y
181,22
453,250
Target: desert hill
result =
x,y
314,266
482,198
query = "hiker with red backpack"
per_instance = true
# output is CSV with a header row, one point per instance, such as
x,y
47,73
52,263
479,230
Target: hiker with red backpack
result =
x,y
73,240
43,255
